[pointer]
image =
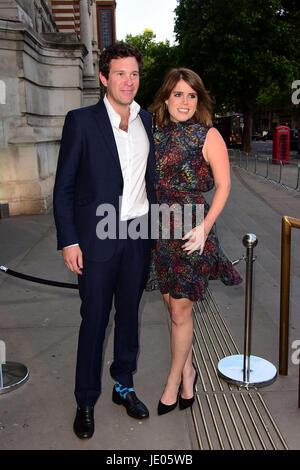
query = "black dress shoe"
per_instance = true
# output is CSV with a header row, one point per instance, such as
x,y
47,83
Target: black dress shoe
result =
x,y
186,402
84,422
134,407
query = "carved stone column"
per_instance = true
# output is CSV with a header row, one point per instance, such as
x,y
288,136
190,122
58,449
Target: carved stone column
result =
x,y
86,36
91,86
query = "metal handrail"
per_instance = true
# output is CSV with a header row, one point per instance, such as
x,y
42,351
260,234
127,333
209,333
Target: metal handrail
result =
x,y
246,158
286,226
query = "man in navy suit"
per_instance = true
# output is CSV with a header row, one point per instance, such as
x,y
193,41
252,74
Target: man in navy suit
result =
x,y
106,160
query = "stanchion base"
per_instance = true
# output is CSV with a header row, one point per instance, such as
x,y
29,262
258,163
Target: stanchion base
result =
x,y
262,372
13,376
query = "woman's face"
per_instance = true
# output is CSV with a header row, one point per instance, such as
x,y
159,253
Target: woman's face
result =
x,y
182,102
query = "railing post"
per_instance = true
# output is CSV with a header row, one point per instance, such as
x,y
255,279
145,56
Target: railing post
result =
x,y
284,295
298,178
245,370
250,241
280,173
1,377
12,374
286,225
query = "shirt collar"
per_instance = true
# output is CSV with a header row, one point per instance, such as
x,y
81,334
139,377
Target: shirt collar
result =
x,y
115,118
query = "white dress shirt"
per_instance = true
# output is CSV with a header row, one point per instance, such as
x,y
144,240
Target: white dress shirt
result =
x,y
133,149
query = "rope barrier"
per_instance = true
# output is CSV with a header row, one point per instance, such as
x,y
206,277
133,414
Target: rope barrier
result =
x,y
48,282
37,279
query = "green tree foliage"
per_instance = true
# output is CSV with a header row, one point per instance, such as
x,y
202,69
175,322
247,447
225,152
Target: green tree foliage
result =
x,y
158,58
246,51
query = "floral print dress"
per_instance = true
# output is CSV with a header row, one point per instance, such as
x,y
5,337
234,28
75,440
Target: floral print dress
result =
x,y
182,175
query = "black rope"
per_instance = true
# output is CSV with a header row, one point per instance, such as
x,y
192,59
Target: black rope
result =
x,y
37,279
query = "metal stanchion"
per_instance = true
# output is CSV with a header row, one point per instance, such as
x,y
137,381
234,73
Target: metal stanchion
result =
x,y
243,369
12,374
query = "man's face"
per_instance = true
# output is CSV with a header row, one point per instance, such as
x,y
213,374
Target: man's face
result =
x,y
123,82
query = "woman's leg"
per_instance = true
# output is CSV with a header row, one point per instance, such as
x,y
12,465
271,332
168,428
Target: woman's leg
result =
x,y
181,344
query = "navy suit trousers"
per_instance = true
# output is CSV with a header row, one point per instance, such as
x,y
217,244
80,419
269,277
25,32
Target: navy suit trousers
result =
x,y
122,279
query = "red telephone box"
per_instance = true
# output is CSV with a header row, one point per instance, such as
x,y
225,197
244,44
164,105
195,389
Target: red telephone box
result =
x,y
281,144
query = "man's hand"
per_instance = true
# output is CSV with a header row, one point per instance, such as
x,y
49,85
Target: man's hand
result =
x,y
72,256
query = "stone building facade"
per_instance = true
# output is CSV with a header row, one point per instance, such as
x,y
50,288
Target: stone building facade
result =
x,y
49,52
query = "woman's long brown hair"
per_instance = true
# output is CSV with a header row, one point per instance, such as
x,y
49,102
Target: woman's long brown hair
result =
x,y
203,112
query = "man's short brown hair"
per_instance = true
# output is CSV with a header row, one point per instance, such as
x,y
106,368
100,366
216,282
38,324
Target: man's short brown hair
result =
x,y
118,50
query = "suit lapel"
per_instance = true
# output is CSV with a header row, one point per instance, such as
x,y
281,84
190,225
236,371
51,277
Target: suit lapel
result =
x,y
105,128
148,129
151,160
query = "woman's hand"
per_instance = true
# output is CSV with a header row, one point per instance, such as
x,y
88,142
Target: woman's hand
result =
x,y
196,239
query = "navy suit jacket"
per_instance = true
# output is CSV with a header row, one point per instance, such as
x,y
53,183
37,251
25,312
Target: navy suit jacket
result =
x,y
89,174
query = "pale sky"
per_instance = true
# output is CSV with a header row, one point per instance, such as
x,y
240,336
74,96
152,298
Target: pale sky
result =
x,y
133,16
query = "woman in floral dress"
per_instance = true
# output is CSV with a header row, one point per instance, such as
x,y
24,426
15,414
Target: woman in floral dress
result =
x,y
191,158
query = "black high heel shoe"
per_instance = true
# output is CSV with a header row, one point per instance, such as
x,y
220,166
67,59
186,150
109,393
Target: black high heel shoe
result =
x,y
162,409
186,402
